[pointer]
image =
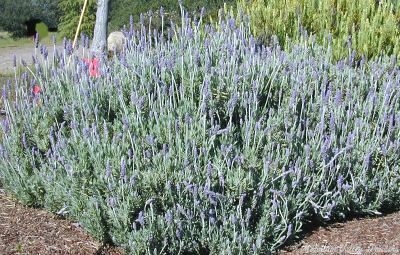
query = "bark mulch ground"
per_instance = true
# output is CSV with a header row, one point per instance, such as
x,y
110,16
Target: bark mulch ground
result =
x,y
364,236
25,230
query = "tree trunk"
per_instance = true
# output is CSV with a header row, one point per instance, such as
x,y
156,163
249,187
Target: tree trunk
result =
x,y
99,42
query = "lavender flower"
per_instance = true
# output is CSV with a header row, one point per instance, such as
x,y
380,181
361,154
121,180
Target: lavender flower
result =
x,y
65,43
68,48
338,98
168,217
140,218
221,179
350,139
132,181
346,187
332,124
248,216
241,200
112,202
340,182
211,216
289,230
233,219
150,140
325,146
108,169
260,191
83,42
209,169
202,12
367,160
123,170
179,233
232,102
273,216
4,93
125,123
24,142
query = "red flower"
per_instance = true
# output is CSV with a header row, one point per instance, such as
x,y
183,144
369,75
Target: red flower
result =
x,y
36,90
94,66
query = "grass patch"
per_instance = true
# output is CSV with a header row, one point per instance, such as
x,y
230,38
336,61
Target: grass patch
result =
x,y
6,41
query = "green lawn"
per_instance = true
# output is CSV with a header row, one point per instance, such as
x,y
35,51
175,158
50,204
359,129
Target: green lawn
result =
x,y
7,41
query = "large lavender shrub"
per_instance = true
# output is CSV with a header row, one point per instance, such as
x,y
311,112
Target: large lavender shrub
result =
x,y
204,142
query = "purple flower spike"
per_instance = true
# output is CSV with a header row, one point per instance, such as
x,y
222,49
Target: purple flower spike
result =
x,y
108,169
140,218
123,169
340,182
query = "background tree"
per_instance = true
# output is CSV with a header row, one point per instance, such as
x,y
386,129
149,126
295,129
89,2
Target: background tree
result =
x,y
100,28
17,15
71,10
121,10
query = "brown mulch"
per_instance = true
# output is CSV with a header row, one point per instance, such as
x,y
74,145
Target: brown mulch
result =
x,y
25,230
374,235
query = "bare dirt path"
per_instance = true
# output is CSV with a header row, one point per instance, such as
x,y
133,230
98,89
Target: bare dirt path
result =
x,y
7,56
23,53
20,52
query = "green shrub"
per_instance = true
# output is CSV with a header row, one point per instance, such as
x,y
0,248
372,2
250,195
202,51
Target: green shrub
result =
x,y
373,27
42,30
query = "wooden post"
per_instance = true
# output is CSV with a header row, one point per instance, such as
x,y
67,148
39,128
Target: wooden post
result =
x,y
80,23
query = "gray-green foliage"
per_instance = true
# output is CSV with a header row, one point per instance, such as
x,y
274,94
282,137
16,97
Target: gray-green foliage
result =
x,y
203,142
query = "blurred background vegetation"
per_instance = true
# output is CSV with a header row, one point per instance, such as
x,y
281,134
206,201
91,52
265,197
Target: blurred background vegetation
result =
x,y
15,15
367,28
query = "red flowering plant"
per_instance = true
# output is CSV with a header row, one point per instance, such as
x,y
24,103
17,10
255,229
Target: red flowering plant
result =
x,y
36,90
93,65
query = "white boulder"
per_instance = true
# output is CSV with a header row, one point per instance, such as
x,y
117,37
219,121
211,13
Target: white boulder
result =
x,y
116,42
